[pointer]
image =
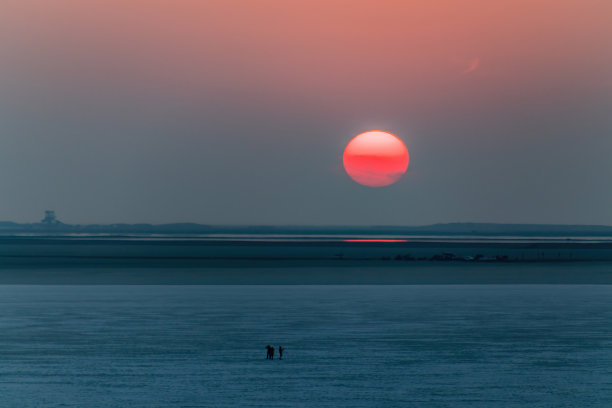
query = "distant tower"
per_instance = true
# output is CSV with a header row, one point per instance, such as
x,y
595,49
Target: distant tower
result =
x,y
50,218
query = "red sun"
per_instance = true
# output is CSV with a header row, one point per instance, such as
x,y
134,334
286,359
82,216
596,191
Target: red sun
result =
x,y
376,158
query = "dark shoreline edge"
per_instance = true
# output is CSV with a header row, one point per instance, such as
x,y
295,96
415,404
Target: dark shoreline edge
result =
x,y
148,251
292,273
60,260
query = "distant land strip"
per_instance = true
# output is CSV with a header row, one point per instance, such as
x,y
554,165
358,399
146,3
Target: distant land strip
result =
x,y
492,229
87,260
135,251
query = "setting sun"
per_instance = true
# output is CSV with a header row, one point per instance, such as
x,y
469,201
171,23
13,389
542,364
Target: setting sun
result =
x,y
376,158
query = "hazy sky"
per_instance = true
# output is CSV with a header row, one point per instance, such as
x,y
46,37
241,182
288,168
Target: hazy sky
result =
x,y
237,112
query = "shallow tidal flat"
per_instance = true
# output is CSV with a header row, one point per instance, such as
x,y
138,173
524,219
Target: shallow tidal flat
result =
x,y
440,346
48,260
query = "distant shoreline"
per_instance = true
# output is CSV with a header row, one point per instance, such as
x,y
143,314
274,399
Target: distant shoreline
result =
x,y
61,260
85,251
53,226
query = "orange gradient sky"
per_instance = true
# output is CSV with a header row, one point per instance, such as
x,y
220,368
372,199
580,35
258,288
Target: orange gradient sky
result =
x,y
504,94
342,54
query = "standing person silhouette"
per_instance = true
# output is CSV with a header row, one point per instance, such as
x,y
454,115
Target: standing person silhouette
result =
x,y
280,352
271,353
268,352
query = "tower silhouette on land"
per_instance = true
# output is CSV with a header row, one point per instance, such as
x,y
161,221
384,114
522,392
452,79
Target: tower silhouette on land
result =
x,y
50,218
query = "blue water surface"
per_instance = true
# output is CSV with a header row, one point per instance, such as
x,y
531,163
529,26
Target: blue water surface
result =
x,y
346,346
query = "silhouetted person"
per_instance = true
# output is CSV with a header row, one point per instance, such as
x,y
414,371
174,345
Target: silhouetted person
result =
x,y
271,353
268,352
280,352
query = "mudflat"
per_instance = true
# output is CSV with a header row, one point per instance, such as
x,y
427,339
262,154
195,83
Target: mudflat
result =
x,y
119,260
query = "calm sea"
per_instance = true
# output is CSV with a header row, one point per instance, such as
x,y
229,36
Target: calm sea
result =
x,y
346,346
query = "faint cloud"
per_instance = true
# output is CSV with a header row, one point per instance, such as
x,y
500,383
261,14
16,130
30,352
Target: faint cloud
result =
x,y
473,66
